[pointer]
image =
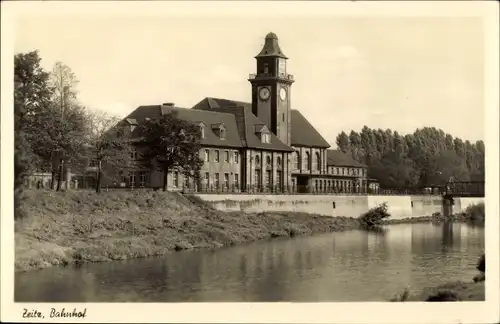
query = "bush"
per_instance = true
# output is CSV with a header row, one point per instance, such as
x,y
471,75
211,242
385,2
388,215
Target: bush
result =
x,y
481,266
374,217
475,213
443,296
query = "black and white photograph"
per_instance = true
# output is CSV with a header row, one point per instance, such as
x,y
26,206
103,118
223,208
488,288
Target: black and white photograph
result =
x,y
306,157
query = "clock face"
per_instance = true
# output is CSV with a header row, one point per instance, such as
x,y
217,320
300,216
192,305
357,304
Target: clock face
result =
x,y
264,93
283,94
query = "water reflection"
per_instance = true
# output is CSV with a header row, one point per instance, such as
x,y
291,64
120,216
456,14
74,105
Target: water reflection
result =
x,y
344,266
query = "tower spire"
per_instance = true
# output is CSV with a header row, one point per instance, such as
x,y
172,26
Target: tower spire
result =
x,y
271,47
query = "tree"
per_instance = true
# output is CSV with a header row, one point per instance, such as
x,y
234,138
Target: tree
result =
x,y
32,94
107,146
170,143
427,157
343,142
64,83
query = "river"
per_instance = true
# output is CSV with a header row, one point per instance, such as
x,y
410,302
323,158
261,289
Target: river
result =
x,y
344,266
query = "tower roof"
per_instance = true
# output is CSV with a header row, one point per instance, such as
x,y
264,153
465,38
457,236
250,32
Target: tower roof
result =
x,y
271,47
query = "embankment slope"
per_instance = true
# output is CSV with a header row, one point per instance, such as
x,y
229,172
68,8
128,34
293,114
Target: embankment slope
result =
x,y
80,226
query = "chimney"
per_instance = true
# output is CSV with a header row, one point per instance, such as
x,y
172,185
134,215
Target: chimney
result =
x,y
168,104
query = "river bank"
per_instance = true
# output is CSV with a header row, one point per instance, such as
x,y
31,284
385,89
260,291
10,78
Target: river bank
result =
x,y
452,291
62,228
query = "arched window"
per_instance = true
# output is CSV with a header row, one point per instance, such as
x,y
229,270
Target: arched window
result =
x,y
318,161
278,161
257,161
268,160
298,159
308,161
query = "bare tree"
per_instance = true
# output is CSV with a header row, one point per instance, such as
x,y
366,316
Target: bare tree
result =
x,y
64,83
108,146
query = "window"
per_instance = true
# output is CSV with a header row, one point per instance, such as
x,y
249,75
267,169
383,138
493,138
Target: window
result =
x,y
268,179
298,159
278,161
175,179
226,156
206,180
318,161
333,203
207,155
123,178
283,116
257,161
202,131
142,178
226,180
278,179
268,160
236,157
265,138
216,157
133,154
258,178
186,182
236,181
217,180
131,179
308,161
316,184
266,68
222,134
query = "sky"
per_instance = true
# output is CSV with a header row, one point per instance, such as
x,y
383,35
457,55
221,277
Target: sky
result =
x,y
401,73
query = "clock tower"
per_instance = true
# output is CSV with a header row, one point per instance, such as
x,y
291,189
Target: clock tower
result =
x,y
271,89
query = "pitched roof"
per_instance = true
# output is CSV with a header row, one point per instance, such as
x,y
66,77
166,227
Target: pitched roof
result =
x,y
339,158
232,138
303,133
246,122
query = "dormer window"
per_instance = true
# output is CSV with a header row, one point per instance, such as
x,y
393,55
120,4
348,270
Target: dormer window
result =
x,y
263,133
202,129
265,138
219,130
133,123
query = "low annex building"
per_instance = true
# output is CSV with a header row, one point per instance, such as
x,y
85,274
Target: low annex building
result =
x,y
261,146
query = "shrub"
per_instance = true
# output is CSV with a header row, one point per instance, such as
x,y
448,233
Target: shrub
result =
x,y
475,213
374,217
443,296
481,266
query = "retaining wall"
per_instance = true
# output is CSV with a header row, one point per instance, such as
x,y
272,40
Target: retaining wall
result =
x,y
335,205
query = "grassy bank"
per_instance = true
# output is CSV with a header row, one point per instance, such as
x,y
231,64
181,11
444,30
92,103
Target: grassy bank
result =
x,y
452,291
80,226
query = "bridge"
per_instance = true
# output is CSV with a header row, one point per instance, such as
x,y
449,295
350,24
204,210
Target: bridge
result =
x,y
464,189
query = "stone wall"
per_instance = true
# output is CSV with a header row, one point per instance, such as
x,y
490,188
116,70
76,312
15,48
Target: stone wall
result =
x,y
335,205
